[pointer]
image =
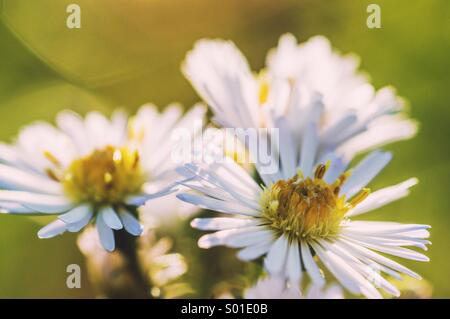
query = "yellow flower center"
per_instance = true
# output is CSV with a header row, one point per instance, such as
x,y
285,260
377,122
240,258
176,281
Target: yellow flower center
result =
x,y
263,90
307,207
105,176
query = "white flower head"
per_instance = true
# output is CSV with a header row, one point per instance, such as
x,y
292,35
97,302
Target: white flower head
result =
x,y
321,113
295,221
276,288
92,169
300,83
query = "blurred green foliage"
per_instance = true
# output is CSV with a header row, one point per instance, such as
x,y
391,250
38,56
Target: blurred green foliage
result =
x,y
128,52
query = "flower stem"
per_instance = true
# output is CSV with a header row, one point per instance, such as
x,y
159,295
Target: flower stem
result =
x,y
126,245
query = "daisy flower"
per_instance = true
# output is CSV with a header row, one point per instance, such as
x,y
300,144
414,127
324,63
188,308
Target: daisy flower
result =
x,y
297,219
276,288
300,82
92,169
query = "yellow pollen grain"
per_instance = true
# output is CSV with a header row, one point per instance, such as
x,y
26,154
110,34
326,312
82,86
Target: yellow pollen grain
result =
x,y
117,156
320,171
52,158
133,132
359,197
51,173
263,87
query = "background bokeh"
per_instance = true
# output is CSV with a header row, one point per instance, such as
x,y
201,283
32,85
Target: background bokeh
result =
x,y
128,52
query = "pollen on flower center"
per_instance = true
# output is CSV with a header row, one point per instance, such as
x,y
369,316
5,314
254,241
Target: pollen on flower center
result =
x,y
307,207
263,92
105,176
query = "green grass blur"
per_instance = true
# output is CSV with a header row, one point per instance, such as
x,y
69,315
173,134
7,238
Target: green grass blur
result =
x,y
128,52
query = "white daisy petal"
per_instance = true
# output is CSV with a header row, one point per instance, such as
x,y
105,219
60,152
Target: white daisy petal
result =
x,y
97,126
76,214
351,279
276,257
49,204
222,77
9,155
214,192
380,259
293,263
217,205
395,251
139,200
329,136
17,179
243,176
53,229
252,252
286,148
309,149
364,172
110,218
389,240
73,125
130,223
336,167
386,228
383,197
215,239
388,129
106,234
252,236
368,271
310,265
235,190
13,208
80,224
221,223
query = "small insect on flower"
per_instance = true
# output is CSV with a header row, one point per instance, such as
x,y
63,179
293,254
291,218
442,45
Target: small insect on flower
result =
x,y
92,169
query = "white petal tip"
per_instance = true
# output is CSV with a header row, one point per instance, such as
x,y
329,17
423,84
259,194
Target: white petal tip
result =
x,y
42,236
203,244
413,181
51,230
206,242
109,249
137,232
195,222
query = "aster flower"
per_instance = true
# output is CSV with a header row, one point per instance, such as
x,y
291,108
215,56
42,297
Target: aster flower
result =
x,y
296,219
92,169
300,82
276,288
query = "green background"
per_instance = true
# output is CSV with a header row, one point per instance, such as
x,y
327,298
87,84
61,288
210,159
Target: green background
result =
x,y
128,52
